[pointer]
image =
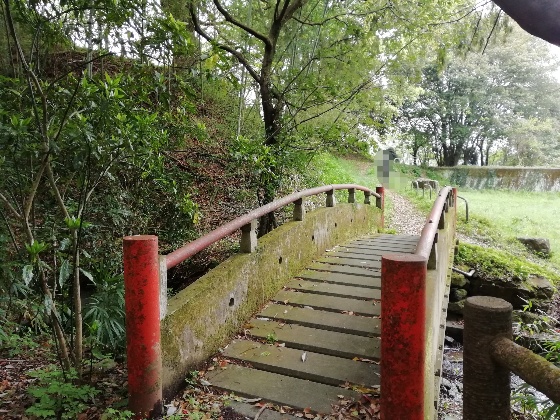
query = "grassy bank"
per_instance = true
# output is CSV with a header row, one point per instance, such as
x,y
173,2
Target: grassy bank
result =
x,y
505,215
498,217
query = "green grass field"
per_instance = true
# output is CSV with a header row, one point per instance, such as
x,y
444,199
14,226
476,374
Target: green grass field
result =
x,y
504,215
495,216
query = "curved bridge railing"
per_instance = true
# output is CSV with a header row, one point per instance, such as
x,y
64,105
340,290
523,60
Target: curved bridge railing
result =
x,y
145,276
412,327
244,222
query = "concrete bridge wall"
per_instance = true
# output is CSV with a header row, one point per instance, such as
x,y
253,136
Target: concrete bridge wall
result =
x,y
515,178
204,316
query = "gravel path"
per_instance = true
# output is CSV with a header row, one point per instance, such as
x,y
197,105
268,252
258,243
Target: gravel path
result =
x,y
405,218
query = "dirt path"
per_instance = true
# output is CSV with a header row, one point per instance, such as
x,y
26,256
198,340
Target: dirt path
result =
x,y
405,217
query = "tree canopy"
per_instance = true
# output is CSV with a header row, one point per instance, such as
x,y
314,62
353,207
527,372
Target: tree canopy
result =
x,y
482,103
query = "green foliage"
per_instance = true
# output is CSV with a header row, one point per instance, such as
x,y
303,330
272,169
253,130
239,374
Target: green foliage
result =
x,y
473,104
114,414
104,312
56,396
496,264
543,408
192,378
15,340
271,338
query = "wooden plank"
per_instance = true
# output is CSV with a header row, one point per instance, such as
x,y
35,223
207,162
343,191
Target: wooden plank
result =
x,y
364,263
374,250
373,281
278,389
332,321
389,238
354,255
316,340
317,367
356,271
330,289
379,246
397,240
386,236
330,303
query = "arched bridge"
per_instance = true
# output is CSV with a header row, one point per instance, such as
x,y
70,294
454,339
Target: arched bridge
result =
x,y
345,305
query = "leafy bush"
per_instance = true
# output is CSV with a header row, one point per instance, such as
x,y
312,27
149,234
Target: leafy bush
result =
x,y
104,312
56,396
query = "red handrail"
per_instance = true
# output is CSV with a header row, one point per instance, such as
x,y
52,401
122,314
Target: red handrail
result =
x,y
181,254
424,246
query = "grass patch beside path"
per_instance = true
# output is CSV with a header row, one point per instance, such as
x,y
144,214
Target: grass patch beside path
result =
x,y
505,215
329,169
498,217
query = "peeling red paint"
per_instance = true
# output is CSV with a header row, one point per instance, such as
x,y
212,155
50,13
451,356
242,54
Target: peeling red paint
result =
x,y
403,334
141,278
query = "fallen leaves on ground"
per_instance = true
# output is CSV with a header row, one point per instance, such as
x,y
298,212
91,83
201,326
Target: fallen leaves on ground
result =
x,y
14,382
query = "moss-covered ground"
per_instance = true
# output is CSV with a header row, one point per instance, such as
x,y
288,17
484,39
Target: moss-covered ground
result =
x,y
497,264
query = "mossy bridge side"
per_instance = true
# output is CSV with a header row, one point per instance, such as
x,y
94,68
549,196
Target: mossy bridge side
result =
x,y
350,306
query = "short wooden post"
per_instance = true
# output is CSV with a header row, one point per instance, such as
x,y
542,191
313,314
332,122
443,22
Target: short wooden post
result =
x,y
351,195
380,203
330,198
143,348
433,258
441,224
486,385
367,196
299,210
248,241
403,335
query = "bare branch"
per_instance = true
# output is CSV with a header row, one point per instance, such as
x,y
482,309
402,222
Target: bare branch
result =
x,y
224,47
56,191
34,187
10,207
229,18
338,16
289,9
492,31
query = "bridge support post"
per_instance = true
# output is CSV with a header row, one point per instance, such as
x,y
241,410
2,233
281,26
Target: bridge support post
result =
x,y
453,198
141,283
380,203
403,335
367,197
248,242
299,210
486,384
331,201
351,195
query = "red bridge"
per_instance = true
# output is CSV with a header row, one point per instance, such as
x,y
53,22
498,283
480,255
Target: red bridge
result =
x,y
350,306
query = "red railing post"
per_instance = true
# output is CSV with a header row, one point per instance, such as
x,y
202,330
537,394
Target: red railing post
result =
x,y
380,203
403,332
141,282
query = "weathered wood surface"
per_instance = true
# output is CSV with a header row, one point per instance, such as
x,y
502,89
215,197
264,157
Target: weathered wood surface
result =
x,y
320,332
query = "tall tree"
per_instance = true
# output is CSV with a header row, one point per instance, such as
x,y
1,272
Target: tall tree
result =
x,y
476,101
321,67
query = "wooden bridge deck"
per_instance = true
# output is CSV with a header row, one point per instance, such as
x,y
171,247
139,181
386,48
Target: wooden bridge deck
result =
x,y
325,328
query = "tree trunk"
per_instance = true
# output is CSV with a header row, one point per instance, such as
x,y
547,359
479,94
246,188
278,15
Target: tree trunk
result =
x,y
268,222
